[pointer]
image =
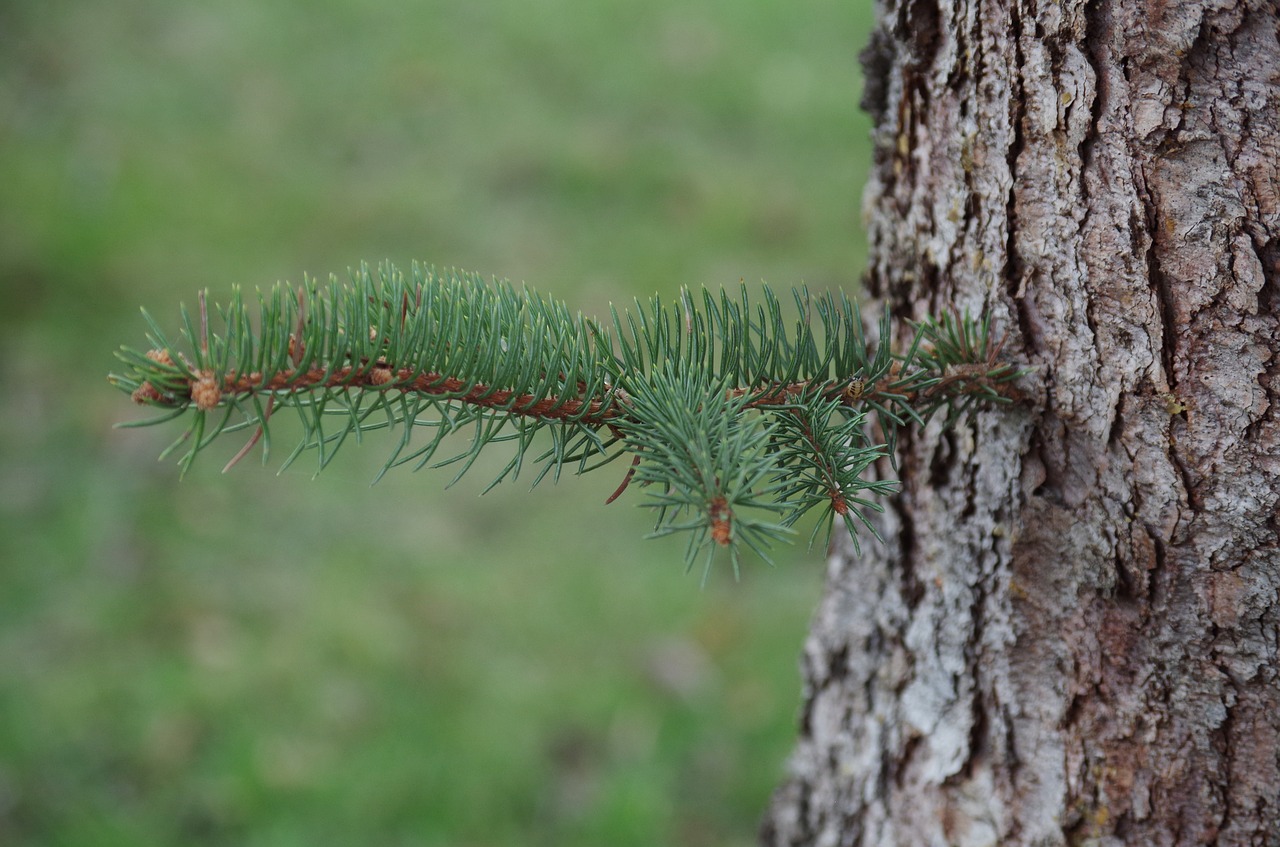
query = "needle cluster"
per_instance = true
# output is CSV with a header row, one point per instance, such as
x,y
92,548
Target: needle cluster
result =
x,y
738,419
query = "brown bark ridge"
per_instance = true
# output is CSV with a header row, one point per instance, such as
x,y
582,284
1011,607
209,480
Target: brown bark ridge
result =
x,y
1070,636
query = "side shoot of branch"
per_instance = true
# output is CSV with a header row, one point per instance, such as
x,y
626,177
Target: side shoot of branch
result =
x,y
737,420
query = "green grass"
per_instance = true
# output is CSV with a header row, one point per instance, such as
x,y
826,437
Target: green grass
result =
x,y
253,659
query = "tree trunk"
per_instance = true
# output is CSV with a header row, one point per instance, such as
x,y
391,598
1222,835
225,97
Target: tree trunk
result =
x,y
1070,636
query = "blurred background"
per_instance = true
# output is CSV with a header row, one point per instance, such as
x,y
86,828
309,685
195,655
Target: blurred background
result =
x,y
270,659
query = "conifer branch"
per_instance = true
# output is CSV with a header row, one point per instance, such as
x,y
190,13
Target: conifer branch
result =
x,y
738,420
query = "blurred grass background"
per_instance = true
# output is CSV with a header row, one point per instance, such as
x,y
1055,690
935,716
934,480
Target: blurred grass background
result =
x,y
264,660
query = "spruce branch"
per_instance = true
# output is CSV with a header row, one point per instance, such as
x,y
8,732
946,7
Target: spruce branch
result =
x,y
738,419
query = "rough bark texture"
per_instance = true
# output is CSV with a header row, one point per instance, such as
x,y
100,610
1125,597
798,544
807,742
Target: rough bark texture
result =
x,y
1071,634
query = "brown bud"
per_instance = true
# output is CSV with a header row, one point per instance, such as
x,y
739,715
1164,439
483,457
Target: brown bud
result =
x,y
381,374
146,393
160,357
206,392
721,526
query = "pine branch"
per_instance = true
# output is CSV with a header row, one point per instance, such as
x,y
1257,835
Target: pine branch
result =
x,y
738,420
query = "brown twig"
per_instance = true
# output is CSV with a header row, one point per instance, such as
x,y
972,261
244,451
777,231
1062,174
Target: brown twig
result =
x,y
626,480
254,439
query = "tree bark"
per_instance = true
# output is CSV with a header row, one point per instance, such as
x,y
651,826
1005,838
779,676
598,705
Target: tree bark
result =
x,y
1070,636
